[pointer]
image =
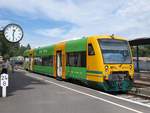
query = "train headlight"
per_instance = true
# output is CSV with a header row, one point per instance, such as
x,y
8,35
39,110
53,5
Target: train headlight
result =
x,y
130,66
106,68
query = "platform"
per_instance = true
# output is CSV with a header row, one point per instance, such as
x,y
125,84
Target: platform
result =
x,y
34,93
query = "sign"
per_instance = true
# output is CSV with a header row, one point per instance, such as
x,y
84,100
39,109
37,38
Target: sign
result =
x,y
4,83
4,80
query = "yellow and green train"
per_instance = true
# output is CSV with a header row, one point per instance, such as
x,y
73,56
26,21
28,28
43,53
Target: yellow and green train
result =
x,y
104,61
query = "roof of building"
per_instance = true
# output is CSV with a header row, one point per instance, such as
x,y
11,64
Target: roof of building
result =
x,y
140,41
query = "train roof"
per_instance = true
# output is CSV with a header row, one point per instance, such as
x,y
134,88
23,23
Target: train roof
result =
x,y
107,36
79,41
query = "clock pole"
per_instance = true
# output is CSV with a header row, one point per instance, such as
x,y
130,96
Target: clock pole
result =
x,y
1,34
1,42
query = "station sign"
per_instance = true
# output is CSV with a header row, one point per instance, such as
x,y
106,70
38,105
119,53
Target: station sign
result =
x,y
4,80
4,84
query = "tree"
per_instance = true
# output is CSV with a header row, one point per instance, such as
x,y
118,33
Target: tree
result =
x,y
28,47
144,51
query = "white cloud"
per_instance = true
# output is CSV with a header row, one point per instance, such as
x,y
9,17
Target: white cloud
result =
x,y
128,18
135,8
36,41
55,32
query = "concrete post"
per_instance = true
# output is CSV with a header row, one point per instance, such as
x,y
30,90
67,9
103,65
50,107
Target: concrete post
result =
x,y
137,58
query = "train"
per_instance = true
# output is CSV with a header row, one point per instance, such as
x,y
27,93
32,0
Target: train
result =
x,y
103,61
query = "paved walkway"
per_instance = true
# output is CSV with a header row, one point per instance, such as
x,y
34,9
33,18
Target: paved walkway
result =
x,y
33,93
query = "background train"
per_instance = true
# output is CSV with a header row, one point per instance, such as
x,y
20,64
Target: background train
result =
x,y
103,61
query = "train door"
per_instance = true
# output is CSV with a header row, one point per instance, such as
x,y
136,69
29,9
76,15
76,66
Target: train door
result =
x,y
60,61
59,64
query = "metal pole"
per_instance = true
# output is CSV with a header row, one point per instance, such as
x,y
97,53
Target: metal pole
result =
x,y
1,33
1,42
137,58
4,91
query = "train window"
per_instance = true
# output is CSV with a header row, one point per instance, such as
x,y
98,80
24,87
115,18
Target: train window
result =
x,y
83,59
90,50
44,61
51,60
76,59
47,61
37,60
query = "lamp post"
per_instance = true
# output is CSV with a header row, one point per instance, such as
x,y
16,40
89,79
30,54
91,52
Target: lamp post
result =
x,y
1,33
1,36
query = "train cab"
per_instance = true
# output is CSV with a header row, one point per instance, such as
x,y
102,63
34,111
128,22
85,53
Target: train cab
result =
x,y
109,63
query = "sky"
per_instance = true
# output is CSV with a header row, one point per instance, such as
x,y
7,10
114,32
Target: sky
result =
x,y
46,22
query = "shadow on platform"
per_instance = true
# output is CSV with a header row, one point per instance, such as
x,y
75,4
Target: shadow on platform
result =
x,y
19,81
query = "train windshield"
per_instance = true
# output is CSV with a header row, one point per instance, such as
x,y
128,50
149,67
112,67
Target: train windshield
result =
x,y
115,51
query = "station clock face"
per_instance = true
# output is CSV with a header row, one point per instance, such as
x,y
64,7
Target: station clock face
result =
x,y
13,33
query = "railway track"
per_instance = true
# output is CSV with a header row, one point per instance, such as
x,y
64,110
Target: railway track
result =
x,y
136,98
141,83
139,93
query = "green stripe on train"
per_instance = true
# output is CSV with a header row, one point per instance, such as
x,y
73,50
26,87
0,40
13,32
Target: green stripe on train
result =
x,y
94,72
43,69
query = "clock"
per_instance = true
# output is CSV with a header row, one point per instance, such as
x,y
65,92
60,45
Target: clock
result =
x,y
13,33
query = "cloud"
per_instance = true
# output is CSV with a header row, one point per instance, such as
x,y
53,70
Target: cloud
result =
x,y
135,8
37,41
128,18
53,32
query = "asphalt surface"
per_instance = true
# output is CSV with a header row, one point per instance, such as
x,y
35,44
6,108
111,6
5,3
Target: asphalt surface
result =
x,y
34,93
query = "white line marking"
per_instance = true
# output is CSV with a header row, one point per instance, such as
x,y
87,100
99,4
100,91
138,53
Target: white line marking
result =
x,y
125,99
88,95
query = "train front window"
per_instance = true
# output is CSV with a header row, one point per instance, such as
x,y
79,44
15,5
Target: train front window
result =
x,y
115,51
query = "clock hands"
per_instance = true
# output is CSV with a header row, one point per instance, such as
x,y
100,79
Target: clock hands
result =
x,y
13,34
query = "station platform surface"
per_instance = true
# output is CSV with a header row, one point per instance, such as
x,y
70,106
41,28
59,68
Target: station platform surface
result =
x,y
34,93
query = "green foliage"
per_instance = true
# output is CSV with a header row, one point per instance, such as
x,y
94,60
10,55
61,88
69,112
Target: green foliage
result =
x,y
144,51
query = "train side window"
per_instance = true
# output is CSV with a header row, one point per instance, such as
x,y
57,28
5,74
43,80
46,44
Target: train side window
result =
x,y
38,61
90,50
47,61
83,59
51,61
76,59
